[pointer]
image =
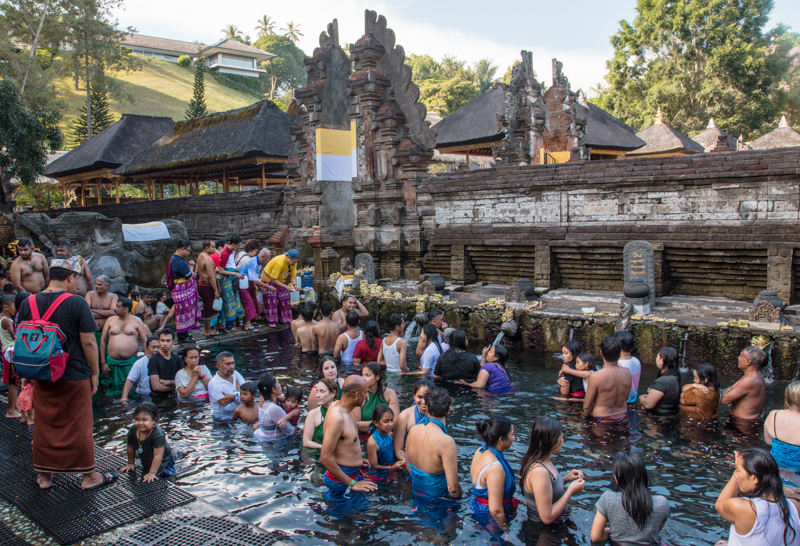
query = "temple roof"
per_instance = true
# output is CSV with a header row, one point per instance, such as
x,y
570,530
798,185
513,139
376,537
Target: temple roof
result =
x,y
663,139
710,136
473,123
782,137
112,147
604,131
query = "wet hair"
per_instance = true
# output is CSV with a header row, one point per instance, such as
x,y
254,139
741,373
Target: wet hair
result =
x,y
458,340
183,243
169,333
266,383
352,319
371,331
223,355
573,347
708,376
235,240
295,393
347,297
220,243
589,359
423,384
61,274
65,244
150,340
761,464
380,411
326,308
307,312
610,348
135,296
632,483
20,297
250,387
207,243
376,370
251,245
433,313
8,289
756,356
432,335
791,396
126,303
147,407
502,354
438,402
545,435
189,349
24,243
494,429
148,292
322,362
128,287
395,320
671,365
332,387
8,299
626,340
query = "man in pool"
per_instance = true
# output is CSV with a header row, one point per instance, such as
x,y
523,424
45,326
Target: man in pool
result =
x,y
304,337
747,395
608,389
326,331
119,342
341,450
349,303
223,389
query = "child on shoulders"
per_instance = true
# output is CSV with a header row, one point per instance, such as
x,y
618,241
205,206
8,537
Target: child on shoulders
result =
x,y
248,411
147,439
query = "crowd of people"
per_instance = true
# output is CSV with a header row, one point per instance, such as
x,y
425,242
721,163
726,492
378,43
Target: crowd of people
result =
x,y
353,420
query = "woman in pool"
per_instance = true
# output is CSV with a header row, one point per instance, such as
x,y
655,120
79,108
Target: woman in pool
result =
x,y
492,500
629,515
325,392
571,385
584,367
409,417
326,370
754,503
272,423
369,345
433,349
539,479
664,395
699,400
494,376
457,363
782,433
377,394
192,380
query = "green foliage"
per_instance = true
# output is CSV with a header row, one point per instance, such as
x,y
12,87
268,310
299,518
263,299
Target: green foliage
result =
x,y
244,84
184,60
696,60
197,106
292,31
285,71
483,74
44,58
39,196
787,93
232,32
265,26
26,135
448,85
101,116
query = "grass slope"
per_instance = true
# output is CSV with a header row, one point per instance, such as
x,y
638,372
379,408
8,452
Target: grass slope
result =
x,y
160,88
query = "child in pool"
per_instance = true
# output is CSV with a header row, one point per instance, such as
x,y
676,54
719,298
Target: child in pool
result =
x,y
291,404
584,366
380,447
147,439
248,411
567,383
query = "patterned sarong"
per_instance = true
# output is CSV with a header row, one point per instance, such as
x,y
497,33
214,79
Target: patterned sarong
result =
x,y
187,308
231,305
248,298
277,301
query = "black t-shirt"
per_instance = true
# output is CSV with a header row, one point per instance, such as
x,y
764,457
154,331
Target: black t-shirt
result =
x,y
575,382
670,403
452,366
180,269
163,368
73,316
146,449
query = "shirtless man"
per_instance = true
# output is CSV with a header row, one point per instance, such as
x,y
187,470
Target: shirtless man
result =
x,y
305,336
608,388
298,322
430,451
119,343
103,304
747,395
153,322
207,287
349,303
326,331
341,449
85,282
29,271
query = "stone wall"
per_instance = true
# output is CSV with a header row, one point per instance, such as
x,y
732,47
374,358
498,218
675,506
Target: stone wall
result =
x,y
724,224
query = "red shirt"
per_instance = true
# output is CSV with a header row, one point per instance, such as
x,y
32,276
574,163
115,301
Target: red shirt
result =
x,y
366,354
223,259
215,259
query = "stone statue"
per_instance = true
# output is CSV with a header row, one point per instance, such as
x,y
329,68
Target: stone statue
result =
x,y
515,295
427,289
99,240
346,267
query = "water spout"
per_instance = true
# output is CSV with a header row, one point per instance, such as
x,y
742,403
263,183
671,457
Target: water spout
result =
x,y
767,371
498,338
410,331
571,331
682,352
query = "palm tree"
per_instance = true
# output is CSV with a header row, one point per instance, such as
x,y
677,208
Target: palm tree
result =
x,y
266,26
232,32
292,31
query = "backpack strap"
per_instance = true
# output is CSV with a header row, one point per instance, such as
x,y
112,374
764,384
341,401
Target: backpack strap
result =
x,y
34,308
59,300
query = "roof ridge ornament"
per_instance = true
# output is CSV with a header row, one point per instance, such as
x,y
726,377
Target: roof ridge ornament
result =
x,y
659,116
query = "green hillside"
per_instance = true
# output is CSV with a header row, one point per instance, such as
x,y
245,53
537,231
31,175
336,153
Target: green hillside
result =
x,y
161,88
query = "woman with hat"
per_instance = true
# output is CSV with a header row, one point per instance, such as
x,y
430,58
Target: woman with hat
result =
x,y
280,275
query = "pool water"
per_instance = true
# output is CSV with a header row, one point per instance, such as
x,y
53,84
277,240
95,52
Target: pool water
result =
x,y
278,485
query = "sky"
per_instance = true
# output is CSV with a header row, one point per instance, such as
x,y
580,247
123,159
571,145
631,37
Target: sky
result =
x,y
576,32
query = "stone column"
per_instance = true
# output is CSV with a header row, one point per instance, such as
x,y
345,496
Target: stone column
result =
x,y
461,270
545,275
779,272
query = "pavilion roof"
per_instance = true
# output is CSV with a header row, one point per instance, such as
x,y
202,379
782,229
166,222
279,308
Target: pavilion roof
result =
x,y
782,137
710,136
663,139
605,131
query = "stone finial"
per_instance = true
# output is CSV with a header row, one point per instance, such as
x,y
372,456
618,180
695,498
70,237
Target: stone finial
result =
x,y
659,116
712,124
559,79
783,122
331,36
582,98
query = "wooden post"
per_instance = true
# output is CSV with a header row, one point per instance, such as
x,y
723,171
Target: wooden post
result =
x,y
152,192
83,193
225,183
263,177
116,189
468,165
99,191
161,190
216,185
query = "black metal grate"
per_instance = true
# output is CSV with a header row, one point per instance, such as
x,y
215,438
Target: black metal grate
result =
x,y
194,530
67,512
8,538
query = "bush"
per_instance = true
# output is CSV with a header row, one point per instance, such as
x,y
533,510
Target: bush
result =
x,y
184,60
45,58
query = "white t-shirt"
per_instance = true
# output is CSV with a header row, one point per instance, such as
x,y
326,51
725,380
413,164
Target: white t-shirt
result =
x,y
138,375
430,355
635,368
161,308
182,380
219,387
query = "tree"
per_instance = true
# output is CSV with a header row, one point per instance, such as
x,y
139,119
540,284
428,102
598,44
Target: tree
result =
x,y
266,26
445,97
483,74
232,32
696,60
293,31
197,106
101,116
26,136
286,70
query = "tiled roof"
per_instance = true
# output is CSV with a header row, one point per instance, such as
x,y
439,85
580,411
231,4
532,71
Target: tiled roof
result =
x,y
138,40
233,45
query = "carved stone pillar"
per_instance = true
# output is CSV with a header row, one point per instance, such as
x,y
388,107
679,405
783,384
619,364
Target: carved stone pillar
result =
x,y
545,275
779,271
461,270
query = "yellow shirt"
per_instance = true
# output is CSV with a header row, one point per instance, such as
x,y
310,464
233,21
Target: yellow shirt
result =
x,y
278,268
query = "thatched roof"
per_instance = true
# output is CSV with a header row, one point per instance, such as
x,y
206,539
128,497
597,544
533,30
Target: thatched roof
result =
x,y
710,136
473,123
782,137
604,131
112,147
663,139
260,130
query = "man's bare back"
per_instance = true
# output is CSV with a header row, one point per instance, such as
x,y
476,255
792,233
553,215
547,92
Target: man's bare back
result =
x,y
205,270
746,397
325,334
607,391
340,427
305,338
29,274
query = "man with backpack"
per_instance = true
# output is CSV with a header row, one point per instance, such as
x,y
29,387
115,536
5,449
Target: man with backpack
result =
x,y
62,387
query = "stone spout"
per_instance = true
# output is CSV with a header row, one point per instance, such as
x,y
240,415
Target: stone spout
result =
x,y
509,328
421,319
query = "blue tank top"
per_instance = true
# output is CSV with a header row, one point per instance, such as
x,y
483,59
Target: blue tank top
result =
x,y
385,448
786,455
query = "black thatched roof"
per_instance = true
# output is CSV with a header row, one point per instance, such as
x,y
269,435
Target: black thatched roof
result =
x,y
260,130
709,137
112,147
663,139
473,123
782,137
604,131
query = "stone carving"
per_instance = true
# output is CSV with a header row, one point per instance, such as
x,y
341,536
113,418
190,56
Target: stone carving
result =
x,y
437,281
567,130
427,289
304,215
373,216
515,295
397,215
559,79
367,265
770,296
764,312
346,267
639,266
99,240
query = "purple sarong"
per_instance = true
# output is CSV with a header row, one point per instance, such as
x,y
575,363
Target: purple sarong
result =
x,y
275,302
187,309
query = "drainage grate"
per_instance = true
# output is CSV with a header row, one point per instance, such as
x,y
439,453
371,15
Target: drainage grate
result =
x,y
8,538
67,512
193,530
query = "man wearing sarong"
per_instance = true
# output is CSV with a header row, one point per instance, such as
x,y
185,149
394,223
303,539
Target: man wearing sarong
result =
x,y
62,437
102,303
229,285
207,285
248,295
281,276
85,282
184,291
119,343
